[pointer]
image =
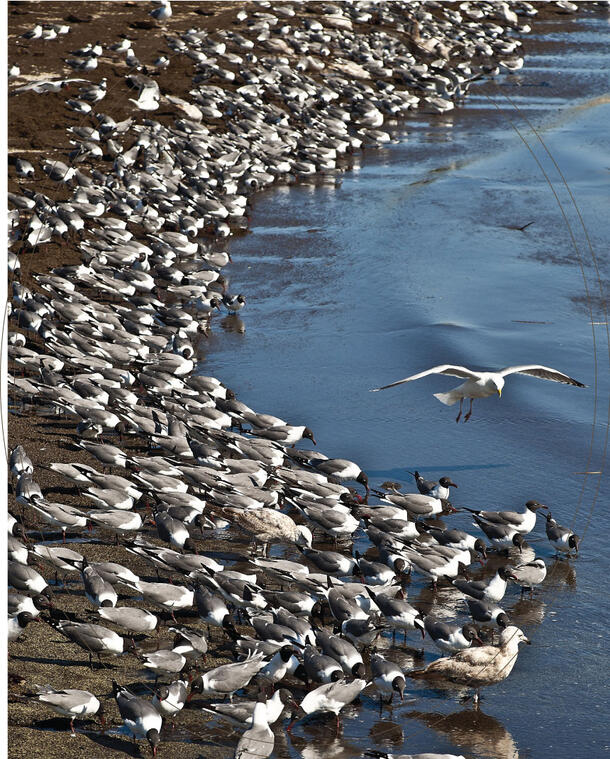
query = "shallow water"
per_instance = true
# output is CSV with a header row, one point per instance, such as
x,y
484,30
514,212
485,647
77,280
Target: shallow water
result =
x,y
412,260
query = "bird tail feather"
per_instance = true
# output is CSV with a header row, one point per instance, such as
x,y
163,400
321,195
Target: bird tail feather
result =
x,y
415,673
447,398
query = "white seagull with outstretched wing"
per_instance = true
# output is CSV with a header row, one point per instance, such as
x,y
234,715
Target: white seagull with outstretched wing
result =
x,y
482,384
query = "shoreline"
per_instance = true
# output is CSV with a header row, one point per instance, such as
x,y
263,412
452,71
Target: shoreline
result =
x,y
30,431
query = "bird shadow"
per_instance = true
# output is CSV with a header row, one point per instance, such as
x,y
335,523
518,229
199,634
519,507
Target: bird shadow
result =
x,y
60,725
116,743
46,660
60,490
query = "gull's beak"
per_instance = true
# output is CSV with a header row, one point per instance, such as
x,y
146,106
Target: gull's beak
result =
x,y
500,393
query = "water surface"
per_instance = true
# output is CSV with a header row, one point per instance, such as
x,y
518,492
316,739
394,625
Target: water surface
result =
x,y
413,259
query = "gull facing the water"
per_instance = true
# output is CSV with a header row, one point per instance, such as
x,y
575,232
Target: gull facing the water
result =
x,y
482,384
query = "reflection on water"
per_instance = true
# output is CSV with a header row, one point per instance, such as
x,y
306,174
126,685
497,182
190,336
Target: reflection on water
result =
x,y
527,611
233,323
561,572
319,739
387,735
473,731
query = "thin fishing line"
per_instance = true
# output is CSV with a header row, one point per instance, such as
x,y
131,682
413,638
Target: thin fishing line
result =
x,y
589,302
603,304
554,594
587,294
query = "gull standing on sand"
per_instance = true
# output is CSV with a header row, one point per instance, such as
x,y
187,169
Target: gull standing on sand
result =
x,y
16,625
170,699
163,12
141,719
94,639
71,703
482,384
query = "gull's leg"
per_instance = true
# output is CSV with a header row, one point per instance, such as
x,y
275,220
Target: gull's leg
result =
x,y
460,414
469,414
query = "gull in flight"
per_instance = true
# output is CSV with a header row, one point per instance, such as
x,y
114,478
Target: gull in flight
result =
x,y
482,384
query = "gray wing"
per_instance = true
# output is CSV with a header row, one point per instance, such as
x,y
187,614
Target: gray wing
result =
x,y
134,708
437,629
555,531
255,743
542,372
450,369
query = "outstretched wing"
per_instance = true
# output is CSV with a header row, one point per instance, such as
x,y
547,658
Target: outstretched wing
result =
x,y
453,371
542,372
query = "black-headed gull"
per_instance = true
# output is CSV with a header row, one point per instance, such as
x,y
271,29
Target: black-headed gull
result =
x,y
451,638
493,590
16,625
388,679
140,717
482,384
438,489
562,538
523,522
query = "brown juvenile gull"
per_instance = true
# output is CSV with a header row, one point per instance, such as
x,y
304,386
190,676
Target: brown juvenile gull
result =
x,y
268,525
477,667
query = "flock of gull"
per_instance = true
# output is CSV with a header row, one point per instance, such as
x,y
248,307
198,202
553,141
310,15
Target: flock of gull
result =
x,y
174,458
